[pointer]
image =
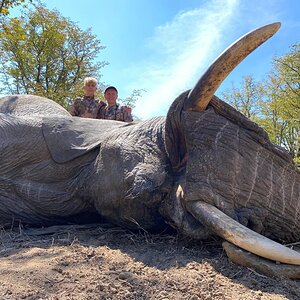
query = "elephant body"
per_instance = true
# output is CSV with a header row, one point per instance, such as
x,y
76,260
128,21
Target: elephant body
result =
x,y
54,166
204,168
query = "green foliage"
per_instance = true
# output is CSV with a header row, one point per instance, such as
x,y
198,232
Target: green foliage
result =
x,y
245,99
44,53
281,108
6,5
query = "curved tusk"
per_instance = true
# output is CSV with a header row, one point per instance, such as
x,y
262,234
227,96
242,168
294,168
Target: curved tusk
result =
x,y
205,88
241,236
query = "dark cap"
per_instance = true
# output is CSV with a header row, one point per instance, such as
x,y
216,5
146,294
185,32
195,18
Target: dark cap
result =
x,y
110,88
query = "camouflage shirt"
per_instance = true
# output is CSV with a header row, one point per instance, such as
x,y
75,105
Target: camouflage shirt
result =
x,y
87,107
115,112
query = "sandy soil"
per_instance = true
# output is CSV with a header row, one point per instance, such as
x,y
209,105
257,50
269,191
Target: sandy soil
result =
x,y
104,262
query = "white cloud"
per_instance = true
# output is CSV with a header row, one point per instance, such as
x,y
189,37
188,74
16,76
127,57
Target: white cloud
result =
x,y
181,51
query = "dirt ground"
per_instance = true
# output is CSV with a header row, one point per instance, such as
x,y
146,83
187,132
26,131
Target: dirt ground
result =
x,y
105,262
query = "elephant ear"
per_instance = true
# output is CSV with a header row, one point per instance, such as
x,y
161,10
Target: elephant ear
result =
x,y
68,138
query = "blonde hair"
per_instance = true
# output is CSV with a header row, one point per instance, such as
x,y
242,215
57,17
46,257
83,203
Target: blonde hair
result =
x,y
88,80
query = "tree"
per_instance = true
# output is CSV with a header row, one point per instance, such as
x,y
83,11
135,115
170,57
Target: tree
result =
x,y
132,99
46,54
245,99
274,103
6,5
282,107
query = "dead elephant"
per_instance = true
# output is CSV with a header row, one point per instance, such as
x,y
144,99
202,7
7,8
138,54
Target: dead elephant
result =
x,y
205,168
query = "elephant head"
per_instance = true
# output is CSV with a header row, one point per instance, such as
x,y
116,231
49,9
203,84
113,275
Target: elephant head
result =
x,y
236,183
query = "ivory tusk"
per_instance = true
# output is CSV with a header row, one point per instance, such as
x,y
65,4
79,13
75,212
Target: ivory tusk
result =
x,y
241,236
205,88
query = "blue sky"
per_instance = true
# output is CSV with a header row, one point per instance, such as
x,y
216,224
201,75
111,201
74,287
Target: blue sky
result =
x,y
164,46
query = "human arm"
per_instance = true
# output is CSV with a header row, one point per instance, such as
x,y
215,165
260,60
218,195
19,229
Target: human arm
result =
x,y
126,110
73,110
101,110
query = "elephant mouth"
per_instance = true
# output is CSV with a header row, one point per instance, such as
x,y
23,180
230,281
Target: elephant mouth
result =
x,y
199,220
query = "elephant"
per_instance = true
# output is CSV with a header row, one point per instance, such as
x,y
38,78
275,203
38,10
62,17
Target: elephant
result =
x,y
204,169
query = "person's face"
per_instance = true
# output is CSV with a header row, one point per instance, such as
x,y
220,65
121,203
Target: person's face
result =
x,y
111,97
90,89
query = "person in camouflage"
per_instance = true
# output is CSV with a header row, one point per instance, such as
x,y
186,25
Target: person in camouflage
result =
x,y
113,111
88,106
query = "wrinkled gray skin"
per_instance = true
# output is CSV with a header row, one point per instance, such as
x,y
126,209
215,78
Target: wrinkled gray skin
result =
x,y
186,170
54,166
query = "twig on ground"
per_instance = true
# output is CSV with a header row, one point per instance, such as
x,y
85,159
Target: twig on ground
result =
x,y
260,275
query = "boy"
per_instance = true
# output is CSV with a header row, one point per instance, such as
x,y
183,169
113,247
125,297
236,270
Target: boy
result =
x,y
88,106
